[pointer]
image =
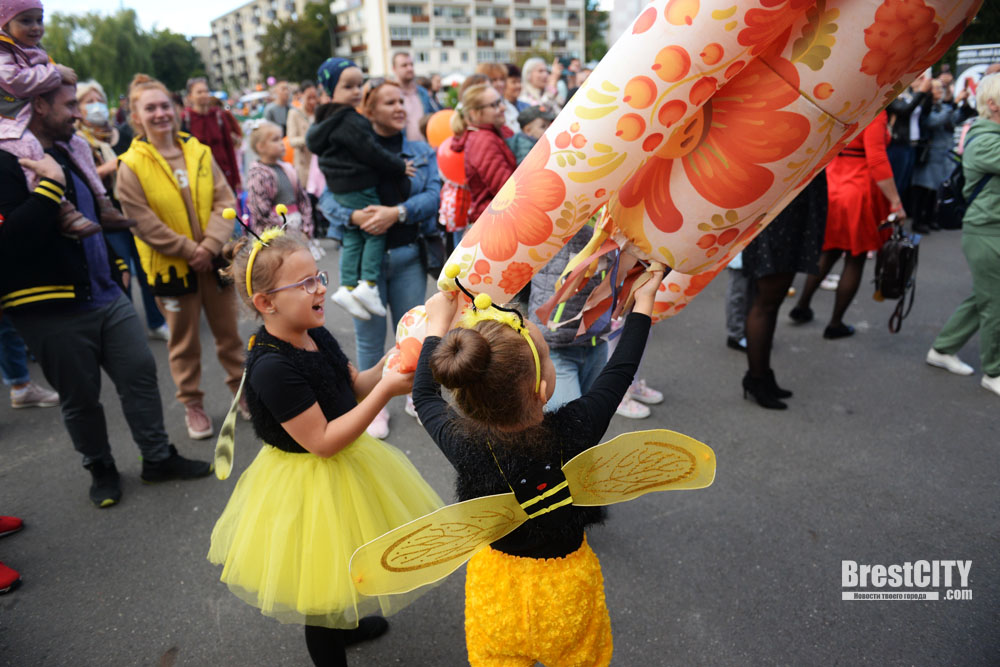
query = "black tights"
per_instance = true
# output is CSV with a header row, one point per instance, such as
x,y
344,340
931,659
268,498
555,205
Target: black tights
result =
x,y
327,646
768,293
847,288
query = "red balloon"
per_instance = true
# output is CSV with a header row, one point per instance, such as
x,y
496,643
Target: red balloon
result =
x,y
451,164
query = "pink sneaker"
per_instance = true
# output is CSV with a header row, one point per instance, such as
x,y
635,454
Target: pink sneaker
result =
x,y
198,423
379,428
640,392
631,409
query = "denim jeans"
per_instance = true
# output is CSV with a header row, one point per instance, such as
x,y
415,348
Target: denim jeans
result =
x,y
124,247
402,284
13,355
577,367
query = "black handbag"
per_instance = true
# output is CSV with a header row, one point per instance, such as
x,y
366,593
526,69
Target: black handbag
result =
x,y
896,272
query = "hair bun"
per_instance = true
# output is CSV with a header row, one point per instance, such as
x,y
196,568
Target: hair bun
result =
x,y
461,359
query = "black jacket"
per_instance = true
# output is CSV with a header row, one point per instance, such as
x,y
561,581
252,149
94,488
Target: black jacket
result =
x,y
900,110
348,155
40,269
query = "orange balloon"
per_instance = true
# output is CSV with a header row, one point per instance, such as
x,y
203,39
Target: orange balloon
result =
x,y
289,155
451,164
439,127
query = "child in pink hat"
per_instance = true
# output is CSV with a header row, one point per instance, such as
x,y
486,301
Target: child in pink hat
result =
x,y
27,71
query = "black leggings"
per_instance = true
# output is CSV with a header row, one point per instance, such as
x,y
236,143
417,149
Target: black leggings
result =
x,y
327,646
768,293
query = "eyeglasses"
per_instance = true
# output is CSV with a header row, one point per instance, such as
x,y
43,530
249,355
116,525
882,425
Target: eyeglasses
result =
x,y
494,105
310,284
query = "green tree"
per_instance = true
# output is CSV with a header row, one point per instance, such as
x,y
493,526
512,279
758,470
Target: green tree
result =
x,y
107,48
984,29
595,31
293,49
175,60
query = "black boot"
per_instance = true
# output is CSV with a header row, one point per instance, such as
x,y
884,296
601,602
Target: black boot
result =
x,y
773,386
760,389
106,488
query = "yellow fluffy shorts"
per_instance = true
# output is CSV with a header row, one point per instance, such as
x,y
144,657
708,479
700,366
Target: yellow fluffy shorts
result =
x,y
522,610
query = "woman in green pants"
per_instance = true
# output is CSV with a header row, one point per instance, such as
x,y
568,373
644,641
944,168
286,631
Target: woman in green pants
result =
x,y
981,245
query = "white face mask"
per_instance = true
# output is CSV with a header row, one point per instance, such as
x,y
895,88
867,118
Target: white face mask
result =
x,y
96,113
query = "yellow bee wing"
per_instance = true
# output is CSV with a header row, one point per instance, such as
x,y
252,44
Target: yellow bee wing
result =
x,y
636,463
430,548
225,446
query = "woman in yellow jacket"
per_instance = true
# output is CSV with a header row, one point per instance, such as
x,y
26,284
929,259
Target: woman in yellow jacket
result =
x,y
170,185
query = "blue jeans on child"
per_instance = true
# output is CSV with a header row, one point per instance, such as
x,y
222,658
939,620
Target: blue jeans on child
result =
x,y
13,355
577,367
402,284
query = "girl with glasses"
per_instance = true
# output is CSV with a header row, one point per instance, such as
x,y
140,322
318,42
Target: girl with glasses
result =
x,y
320,486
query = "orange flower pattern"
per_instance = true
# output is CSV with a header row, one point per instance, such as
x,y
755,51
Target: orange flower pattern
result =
x,y
898,22
722,146
519,214
697,124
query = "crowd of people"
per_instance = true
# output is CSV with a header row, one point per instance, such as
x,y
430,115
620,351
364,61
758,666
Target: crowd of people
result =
x,y
891,173
92,202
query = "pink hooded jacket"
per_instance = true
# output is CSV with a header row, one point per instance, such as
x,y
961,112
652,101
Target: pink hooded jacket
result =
x,y
25,72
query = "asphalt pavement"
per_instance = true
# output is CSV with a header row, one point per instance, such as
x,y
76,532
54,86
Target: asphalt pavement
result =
x,y
880,459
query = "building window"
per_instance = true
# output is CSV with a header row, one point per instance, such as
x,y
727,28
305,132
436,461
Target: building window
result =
x,y
408,32
452,33
421,56
465,56
444,56
415,10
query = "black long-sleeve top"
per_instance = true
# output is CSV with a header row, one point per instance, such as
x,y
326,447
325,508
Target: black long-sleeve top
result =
x,y
573,428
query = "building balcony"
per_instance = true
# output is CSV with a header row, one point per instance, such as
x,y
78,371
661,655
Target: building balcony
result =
x,y
558,43
484,43
573,21
539,23
420,18
503,20
359,48
399,42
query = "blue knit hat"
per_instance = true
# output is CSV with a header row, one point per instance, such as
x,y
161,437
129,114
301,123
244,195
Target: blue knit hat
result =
x,y
329,72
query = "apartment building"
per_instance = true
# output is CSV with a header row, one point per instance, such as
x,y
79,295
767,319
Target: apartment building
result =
x,y
454,35
234,57
442,35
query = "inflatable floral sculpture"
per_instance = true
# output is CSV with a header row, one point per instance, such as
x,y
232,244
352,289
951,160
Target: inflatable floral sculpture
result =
x,y
702,122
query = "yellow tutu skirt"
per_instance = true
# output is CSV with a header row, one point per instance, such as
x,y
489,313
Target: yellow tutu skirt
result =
x,y
286,537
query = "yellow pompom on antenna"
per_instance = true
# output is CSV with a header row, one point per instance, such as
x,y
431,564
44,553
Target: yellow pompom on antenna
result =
x,y
229,213
281,209
452,270
483,301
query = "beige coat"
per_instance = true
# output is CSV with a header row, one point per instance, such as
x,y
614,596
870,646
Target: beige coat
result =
x,y
298,125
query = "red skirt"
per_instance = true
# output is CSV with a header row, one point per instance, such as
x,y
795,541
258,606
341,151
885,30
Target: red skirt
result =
x,y
856,207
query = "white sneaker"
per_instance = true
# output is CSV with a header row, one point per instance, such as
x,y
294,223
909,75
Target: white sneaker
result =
x,y
342,297
379,428
950,362
631,409
33,396
161,332
368,296
640,392
830,282
993,384
412,409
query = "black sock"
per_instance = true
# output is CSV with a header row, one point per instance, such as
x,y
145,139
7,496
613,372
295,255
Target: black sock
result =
x,y
326,646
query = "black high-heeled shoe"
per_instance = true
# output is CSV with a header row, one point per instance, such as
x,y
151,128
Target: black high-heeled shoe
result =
x,y
775,389
760,389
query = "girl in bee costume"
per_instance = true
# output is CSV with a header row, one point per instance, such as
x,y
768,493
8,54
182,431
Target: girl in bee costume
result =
x,y
320,486
536,594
